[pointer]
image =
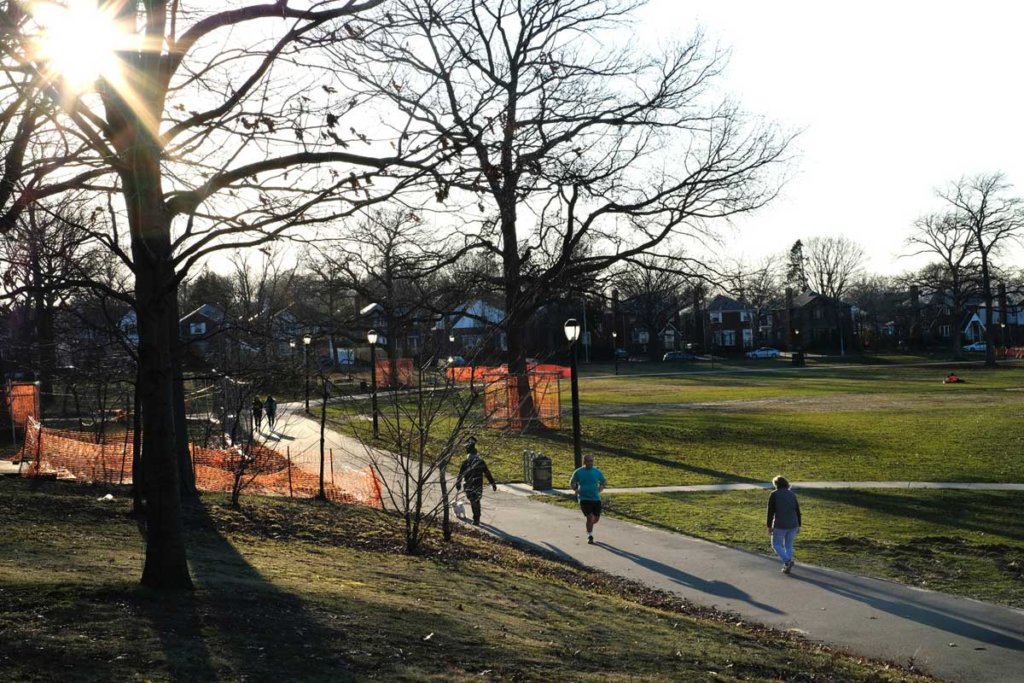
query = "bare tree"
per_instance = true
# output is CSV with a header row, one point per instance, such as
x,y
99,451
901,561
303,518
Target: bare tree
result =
x,y
566,150
982,205
759,285
651,288
833,263
47,260
215,137
952,241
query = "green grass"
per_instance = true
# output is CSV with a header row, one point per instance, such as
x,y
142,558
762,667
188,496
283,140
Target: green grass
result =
x,y
849,423
963,542
295,590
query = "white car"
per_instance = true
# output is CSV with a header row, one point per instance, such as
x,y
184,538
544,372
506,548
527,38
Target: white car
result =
x,y
976,346
763,352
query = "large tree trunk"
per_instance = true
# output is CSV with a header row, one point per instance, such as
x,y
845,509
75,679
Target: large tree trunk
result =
x,y
166,567
186,473
986,284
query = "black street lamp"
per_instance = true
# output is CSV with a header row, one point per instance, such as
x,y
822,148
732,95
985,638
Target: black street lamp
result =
x,y
305,365
371,337
572,333
615,350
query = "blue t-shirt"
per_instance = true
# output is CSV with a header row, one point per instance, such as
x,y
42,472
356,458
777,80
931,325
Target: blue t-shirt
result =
x,y
589,480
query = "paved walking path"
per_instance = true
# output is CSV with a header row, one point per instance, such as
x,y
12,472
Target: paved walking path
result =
x,y
954,638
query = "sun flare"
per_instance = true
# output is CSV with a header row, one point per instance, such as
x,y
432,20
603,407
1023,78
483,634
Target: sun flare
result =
x,y
78,41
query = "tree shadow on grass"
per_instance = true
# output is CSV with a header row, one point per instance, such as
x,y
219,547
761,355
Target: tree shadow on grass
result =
x,y
981,511
604,449
237,624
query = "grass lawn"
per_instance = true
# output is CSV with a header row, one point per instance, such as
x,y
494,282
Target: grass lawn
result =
x,y
832,422
295,590
964,542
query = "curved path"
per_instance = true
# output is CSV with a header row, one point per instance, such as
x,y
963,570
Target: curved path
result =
x,y
957,639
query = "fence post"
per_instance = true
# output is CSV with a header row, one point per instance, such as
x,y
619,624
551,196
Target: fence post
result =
x,y
289,451
332,467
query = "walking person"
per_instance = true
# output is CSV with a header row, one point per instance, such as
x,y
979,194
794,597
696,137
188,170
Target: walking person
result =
x,y
270,408
783,521
257,413
472,473
588,482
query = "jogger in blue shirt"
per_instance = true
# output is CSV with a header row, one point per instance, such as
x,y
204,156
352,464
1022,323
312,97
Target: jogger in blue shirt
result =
x,y
588,482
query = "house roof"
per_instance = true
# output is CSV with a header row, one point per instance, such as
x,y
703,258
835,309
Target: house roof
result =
x,y
722,302
208,311
475,314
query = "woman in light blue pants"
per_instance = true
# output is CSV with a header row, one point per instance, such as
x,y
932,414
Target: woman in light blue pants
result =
x,y
783,521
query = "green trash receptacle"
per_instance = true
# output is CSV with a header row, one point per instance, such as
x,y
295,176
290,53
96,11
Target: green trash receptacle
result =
x,y
541,473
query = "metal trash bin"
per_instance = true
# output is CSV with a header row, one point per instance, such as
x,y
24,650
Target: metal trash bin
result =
x,y
798,359
541,473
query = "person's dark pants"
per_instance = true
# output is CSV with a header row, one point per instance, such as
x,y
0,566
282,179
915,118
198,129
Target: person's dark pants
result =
x,y
474,496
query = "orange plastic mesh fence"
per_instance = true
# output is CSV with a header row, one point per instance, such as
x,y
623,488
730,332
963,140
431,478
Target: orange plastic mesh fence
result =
x,y
502,401
476,373
21,401
403,369
71,454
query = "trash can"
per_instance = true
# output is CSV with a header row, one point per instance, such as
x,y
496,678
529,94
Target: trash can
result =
x,y
541,473
798,359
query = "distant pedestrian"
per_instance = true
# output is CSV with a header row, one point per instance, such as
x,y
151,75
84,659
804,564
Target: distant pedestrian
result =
x,y
257,413
270,407
783,521
588,482
472,473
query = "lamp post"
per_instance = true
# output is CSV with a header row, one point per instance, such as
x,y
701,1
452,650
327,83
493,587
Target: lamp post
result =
x,y
615,350
572,333
371,337
305,365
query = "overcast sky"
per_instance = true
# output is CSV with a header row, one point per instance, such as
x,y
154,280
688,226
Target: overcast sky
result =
x,y
893,98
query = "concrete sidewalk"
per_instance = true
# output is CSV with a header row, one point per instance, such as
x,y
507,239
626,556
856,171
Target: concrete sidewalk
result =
x,y
954,638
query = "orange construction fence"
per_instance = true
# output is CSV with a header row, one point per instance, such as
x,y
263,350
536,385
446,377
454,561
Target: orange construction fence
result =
x,y
1010,352
476,373
21,401
505,406
77,455
403,371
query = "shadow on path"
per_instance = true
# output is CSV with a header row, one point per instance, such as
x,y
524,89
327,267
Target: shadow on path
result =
x,y
961,624
718,589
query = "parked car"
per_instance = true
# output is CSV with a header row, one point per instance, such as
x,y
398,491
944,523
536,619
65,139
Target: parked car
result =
x,y
763,352
451,361
977,346
621,354
678,355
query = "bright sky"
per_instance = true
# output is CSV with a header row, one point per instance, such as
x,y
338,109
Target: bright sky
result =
x,y
894,100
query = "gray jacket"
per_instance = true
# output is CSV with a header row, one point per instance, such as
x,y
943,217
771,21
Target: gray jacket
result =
x,y
783,509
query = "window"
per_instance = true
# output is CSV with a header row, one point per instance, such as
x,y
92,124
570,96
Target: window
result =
x,y
748,338
669,338
414,343
716,316
196,328
945,331
728,337
818,313
744,316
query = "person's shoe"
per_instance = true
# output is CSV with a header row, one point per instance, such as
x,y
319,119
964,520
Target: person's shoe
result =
x,y
788,567
590,539
476,522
